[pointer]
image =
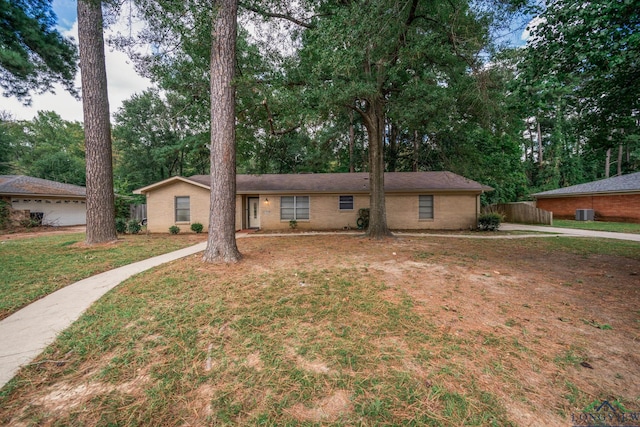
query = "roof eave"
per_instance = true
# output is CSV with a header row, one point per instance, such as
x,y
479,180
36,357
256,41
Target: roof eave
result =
x,y
44,195
592,193
168,181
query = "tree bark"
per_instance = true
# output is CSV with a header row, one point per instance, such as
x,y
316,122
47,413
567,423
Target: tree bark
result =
x,y
101,226
416,151
221,242
374,123
532,142
607,164
352,141
540,159
392,158
619,165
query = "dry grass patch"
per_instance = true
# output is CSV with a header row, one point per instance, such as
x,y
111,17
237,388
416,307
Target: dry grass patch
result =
x,y
341,330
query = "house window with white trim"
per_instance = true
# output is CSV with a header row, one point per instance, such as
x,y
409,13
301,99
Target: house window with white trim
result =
x,y
294,208
182,209
425,207
346,203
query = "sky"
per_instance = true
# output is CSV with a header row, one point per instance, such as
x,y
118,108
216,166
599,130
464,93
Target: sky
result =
x,y
122,79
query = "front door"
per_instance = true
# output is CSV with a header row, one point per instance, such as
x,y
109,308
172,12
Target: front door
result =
x,y
253,220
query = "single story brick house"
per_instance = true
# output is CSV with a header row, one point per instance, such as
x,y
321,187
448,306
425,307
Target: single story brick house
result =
x,y
324,201
49,202
612,199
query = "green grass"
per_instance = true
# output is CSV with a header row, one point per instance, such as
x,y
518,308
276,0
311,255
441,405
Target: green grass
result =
x,y
193,346
280,340
619,227
36,266
585,246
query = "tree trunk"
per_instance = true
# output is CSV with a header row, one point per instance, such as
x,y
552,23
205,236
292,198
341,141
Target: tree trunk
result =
x,y
101,225
221,242
532,142
539,144
352,141
374,122
607,163
393,148
416,151
620,150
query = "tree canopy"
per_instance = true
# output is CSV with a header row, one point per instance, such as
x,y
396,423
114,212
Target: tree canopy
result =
x,y
33,54
578,82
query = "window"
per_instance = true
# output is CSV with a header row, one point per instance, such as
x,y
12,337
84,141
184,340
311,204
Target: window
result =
x,y
346,203
294,208
425,207
183,211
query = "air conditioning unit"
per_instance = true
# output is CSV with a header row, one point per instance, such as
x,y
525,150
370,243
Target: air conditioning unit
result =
x,y
584,214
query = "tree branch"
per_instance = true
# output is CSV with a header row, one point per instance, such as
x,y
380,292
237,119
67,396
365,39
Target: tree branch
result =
x,y
278,15
270,120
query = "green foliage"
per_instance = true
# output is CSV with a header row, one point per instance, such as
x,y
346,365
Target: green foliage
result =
x,y
121,225
174,229
196,227
579,77
46,147
153,144
489,221
5,210
293,224
33,54
29,223
122,206
133,226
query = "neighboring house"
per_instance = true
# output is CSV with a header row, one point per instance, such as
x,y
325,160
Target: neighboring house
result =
x,y
52,203
612,199
325,201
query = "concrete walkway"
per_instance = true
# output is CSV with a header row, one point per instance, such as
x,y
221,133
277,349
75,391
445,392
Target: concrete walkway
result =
x,y
26,333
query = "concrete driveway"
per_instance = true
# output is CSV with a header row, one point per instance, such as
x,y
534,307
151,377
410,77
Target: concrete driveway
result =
x,y
570,232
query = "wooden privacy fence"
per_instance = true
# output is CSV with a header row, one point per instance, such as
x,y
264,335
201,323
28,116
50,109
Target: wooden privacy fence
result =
x,y
522,213
138,212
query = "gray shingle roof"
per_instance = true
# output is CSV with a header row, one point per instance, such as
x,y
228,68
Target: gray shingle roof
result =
x,y
349,182
20,185
617,184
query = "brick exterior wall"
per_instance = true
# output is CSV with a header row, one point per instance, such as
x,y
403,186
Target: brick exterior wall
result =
x,y
617,207
452,211
161,207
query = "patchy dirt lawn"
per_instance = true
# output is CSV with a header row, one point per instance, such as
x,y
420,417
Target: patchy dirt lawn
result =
x,y
536,329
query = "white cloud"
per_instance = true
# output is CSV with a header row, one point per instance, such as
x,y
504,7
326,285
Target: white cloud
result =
x,y
526,34
122,83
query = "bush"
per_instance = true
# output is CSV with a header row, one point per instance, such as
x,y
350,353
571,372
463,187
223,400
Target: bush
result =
x,y
174,229
4,214
489,221
293,224
133,226
196,227
121,225
29,223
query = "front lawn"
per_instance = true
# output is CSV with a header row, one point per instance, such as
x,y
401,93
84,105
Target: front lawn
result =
x,y
36,266
342,330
